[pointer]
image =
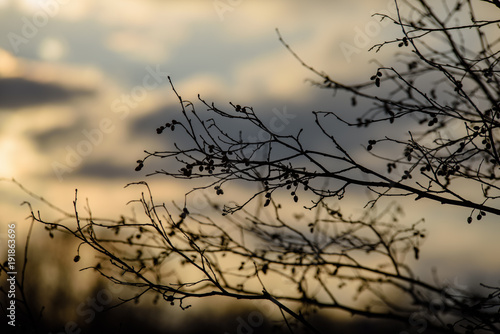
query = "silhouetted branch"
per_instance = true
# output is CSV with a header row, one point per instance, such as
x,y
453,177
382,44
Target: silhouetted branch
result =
x,y
442,91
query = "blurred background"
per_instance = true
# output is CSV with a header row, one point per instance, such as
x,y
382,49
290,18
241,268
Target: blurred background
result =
x,y
83,86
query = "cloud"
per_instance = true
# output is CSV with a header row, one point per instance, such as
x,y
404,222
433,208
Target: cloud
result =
x,y
137,46
53,133
150,32
107,170
19,93
146,123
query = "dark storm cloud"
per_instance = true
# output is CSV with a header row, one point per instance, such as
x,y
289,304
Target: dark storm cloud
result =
x,y
146,125
54,137
18,93
283,116
106,170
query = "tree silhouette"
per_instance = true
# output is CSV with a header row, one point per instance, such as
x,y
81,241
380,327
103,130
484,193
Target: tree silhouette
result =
x,y
443,90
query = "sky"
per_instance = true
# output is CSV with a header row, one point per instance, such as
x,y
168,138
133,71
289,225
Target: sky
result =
x,y
83,86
